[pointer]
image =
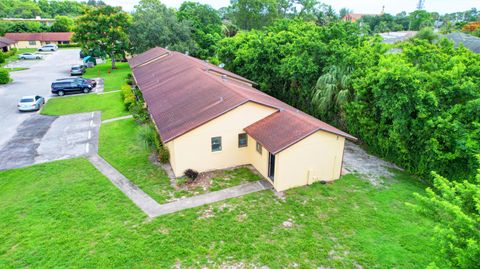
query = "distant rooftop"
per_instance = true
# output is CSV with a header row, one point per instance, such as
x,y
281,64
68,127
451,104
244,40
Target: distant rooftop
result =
x,y
394,37
469,41
37,18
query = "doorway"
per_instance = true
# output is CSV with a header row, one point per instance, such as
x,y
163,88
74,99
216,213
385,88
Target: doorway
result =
x,y
271,166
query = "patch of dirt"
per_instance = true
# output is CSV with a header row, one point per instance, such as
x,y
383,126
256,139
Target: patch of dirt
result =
x,y
356,160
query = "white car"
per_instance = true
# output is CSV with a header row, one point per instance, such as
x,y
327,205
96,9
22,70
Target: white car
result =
x,y
29,56
30,103
49,47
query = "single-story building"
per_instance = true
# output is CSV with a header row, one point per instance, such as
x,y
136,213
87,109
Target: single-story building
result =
x,y
44,21
37,40
6,44
210,118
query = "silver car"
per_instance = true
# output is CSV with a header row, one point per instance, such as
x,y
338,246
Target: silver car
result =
x,y
30,103
29,56
50,47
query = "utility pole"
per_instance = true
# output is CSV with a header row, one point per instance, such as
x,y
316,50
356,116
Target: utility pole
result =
x,y
421,4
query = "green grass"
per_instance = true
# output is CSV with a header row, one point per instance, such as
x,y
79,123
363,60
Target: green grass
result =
x,y
66,214
113,79
13,69
120,147
110,104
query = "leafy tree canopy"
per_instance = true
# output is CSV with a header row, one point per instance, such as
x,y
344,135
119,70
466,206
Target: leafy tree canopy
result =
x,y
156,25
206,27
455,207
103,30
62,24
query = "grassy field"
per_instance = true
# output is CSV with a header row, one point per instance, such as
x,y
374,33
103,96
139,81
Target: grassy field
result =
x,y
57,217
120,146
113,79
110,104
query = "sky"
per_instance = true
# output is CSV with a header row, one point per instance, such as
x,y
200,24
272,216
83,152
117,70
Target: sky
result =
x,y
362,6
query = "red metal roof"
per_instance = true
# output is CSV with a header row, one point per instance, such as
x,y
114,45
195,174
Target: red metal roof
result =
x,y
183,93
58,36
5,42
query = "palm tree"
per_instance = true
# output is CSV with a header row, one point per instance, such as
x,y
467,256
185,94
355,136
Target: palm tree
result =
x,y
332,91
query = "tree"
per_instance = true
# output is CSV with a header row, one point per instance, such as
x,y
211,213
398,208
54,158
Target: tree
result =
x,y
103,30
156,25
62,24
420,19
287,58
455,208
254,14
332,91
206,27
427,34
344,12
419,108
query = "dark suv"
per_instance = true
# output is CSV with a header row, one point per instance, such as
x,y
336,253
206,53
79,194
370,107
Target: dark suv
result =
x,y
63,86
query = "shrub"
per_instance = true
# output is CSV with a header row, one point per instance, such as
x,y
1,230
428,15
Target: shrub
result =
x,y
68,45
4,76
128,96
163,155
2,57
130,80
11,52
191,174
149,136
139,113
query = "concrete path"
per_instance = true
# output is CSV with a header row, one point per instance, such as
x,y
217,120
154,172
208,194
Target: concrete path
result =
x,y
154,209
119,118
212,197
140,198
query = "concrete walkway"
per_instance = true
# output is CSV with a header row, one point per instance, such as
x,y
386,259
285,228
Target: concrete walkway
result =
x,y
140,198
119,118
212,197
154,209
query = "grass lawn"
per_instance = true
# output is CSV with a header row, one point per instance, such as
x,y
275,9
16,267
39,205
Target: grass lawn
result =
x,y
57,217
110,104
113,79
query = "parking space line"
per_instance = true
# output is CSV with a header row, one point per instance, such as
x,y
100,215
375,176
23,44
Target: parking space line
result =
x,y
87,147
89,134
91,123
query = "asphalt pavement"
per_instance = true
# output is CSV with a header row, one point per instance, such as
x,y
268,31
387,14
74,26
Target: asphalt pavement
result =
x,y
34,81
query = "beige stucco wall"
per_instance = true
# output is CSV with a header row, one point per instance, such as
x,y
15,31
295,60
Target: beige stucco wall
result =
x,y
193,149
38,44
316,157
259,161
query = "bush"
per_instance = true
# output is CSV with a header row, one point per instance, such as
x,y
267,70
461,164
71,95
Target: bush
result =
x,y
139,113
4,76
2,57
68,45
149,136
130,80
128,96
191,174
163,154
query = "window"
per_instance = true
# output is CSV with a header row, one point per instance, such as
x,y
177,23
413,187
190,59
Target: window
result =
x,y
216,143
242,140
33,43
259,148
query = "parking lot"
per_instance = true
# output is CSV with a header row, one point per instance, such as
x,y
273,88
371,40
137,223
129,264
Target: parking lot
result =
x,y
28,137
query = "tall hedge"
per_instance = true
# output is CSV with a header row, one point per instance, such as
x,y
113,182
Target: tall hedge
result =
x,y
421,108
